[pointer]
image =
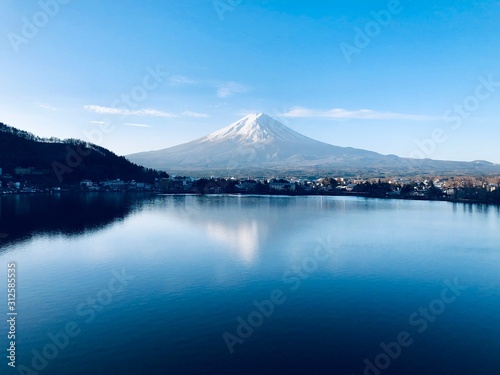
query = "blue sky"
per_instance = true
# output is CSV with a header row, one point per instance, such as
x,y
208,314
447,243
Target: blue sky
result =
x,y
412,78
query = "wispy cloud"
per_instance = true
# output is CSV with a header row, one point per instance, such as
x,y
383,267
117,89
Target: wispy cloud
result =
x,y
227,89
195,114
137,125
362,114
99,122
223,89
127,112
178,80
47,107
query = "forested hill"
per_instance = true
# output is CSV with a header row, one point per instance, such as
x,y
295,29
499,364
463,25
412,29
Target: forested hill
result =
x,y
68,161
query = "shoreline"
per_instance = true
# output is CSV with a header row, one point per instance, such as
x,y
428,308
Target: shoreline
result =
x,y
282,194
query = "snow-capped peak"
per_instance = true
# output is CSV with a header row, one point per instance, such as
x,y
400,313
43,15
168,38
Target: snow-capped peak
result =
x,y
255,141
255,128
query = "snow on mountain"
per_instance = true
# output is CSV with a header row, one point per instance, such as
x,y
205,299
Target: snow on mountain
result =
x,y
257,142
256,128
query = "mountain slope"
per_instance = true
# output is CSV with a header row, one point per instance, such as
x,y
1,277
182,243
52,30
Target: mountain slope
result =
x,y
257,143
255,139
49,157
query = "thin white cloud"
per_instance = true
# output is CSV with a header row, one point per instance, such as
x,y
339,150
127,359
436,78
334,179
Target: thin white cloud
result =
x,y
137,125
362,114
99,122
178,80
46,106
195,114
127,112
227,89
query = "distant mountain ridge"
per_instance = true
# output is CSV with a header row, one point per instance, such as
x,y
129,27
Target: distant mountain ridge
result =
x,y
258,144
49,158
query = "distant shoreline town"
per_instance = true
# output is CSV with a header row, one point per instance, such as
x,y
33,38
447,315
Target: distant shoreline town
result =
x,y
29,164
451,189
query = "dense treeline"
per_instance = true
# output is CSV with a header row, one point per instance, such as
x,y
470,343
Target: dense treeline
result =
x,y
367,189
65,162
54,162
383,189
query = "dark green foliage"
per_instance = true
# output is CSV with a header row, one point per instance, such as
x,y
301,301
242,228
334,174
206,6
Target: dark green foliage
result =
x,y
219,185
407,189
435,192
65,162
379,189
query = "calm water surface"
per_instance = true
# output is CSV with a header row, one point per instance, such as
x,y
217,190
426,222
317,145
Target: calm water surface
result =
x,y
162,284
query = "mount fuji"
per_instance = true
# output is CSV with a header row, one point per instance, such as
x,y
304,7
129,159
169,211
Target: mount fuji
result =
x,y
259,145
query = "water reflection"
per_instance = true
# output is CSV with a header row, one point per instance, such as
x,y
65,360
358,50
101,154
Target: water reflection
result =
x,y
233,222
201,261
241,224
23,216
244,238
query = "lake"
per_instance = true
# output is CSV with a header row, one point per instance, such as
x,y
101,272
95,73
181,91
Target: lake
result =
x,y
156,284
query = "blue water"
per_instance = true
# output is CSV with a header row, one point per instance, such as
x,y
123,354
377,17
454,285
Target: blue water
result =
x,y
162,284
